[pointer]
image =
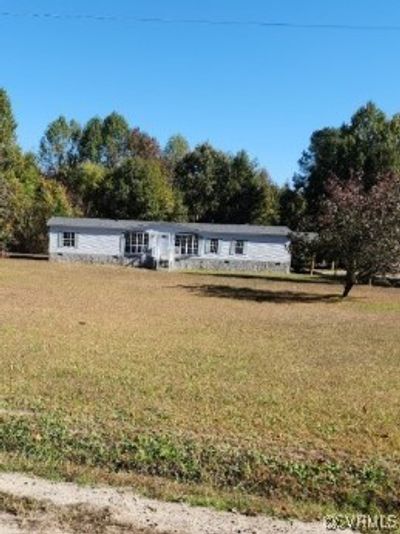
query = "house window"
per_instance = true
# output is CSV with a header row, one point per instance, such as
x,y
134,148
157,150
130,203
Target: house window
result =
x,y
136,242
186,245
238,247
212,246
68,239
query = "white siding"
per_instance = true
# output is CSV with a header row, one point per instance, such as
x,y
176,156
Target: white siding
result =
x,y
102,242
269,248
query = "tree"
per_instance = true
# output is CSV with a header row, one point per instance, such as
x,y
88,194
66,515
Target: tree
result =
x,y
59,147
7,210
91,141
36,198
115,140
246,194
200,176
369,146
138,189
84,183
292,208
49,198
304,247
176,149
221,188
142,145
7,129
361,228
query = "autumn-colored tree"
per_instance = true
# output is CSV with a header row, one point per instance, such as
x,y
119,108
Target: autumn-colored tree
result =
x,y
142,145
361,228
35,199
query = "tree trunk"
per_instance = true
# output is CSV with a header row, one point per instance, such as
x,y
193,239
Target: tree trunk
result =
x,y
350,281
312,265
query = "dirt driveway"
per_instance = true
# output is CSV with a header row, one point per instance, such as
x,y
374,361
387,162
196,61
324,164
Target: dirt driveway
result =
x,y
32,506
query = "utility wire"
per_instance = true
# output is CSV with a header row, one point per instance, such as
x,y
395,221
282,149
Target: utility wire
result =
x,y
204,22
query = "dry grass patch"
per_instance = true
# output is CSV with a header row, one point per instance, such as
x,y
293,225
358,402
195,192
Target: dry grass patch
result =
x,y
279,368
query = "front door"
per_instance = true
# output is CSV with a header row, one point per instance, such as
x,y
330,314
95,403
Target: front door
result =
x,y
163,247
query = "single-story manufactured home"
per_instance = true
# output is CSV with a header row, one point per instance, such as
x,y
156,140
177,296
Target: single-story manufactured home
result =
x,y
170,245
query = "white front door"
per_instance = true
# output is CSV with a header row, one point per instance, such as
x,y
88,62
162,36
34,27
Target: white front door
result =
x,y
164,247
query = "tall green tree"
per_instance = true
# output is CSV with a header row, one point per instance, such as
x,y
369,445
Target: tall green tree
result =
x,y
8,128
115,140
176,149
199,176
247,194
8,210
292,208
91,142
217,187
369,145
138,189
59,147
11,190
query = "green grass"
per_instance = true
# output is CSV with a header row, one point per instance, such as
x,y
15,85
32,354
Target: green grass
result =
x,y
252,387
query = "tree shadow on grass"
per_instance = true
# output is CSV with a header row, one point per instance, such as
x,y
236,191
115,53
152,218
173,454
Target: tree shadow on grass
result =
x,y
300,279
260,295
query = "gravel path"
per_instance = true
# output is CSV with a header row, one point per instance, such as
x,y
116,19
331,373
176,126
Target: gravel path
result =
x,y
126,512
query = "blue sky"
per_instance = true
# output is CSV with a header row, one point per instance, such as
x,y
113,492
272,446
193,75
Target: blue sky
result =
x,y
262,89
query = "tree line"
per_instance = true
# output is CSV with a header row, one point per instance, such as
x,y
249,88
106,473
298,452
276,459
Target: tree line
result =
x,y
107,168
346,191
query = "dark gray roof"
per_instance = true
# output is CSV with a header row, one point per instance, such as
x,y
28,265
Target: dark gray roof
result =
x,y
124,225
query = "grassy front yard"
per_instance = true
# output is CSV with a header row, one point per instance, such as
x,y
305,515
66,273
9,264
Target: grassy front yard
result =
x,y
257,389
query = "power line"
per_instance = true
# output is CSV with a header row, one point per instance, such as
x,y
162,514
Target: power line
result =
x,y
204,22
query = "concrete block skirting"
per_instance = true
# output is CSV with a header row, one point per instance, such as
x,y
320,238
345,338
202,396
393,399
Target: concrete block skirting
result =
x,y
209,264
86,258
